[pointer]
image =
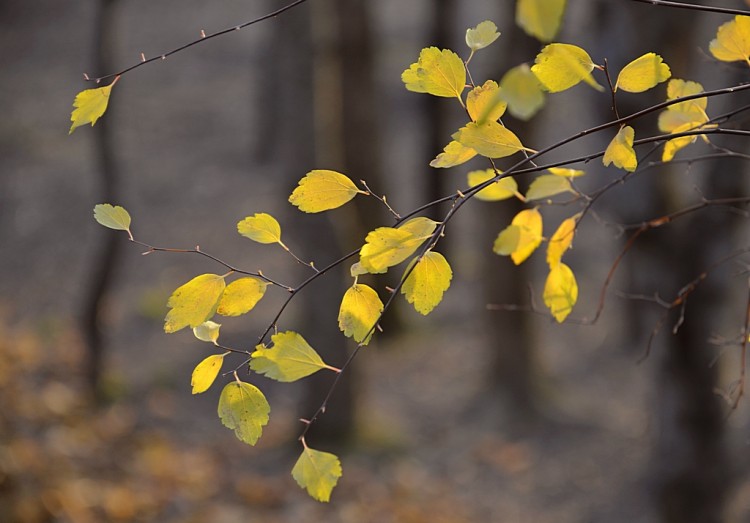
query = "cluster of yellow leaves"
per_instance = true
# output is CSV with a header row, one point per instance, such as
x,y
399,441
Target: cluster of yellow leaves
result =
x,y
684,116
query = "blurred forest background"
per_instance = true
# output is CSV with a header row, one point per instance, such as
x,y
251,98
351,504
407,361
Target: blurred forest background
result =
x,y
467,415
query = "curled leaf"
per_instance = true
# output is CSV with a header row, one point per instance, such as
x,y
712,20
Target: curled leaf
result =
x,y
561,66
521,238
207,331
620,150
453,154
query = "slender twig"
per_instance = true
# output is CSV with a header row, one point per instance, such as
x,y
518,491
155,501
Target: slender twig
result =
x,y
695,7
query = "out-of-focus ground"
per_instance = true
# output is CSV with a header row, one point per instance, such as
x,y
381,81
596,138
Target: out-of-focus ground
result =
x,y
432,444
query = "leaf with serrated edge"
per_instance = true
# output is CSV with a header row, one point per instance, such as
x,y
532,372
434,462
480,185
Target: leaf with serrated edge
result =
x,y
485,103
482,35
561,240
89,105
114,217
560,291
193,303
261,228
207,331
317,472
643,73
732,42
291,358
439,73
244,409
548,185
523,92
427,282
561,66
453,154
540,18
323,190
620,150
502,189
241,296
387,246
360,309
490,139
205,373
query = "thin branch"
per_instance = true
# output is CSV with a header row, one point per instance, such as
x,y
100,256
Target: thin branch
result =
x,y
695,7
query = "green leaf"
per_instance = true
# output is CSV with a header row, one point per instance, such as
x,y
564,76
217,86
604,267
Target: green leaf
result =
x,y
113,217
360,309
560,291
547,185
561,66
388,246
482,35
502,189
90,105
453,154
490,139
205,373
540,18
439,73
427,282
261,228
523,92
241,296
322,190
193,303
291,358
207,331
244,409
317,472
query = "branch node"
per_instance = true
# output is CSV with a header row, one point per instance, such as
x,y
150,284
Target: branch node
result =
x,y
143,57
203,33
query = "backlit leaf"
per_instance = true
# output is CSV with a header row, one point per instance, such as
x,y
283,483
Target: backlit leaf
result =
x,y
732,42
291,358
193,303
388,246
90,105
114,217
675,144
671,121
523,92
205,373
540,18
561,240
643,73
241,295
360,309
490,139
567,173
207,331
560,291
322,190
482,35
561,66
439,73
453,154
261,228
485,103
425,285
244,409
317,472
677,88
522,237
547,185
502,189
620,150
507,241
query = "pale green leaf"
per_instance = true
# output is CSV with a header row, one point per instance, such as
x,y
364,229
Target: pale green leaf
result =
x,y
560,291
523,92
89,105
205,373
502,189
317,472
453,154
522,237
482,35
291,358
241,296
490,139
322,190
548,185
114,217
439,73
193,303
261,228
561,66
244,409
207,331
427,282
540,18
360,309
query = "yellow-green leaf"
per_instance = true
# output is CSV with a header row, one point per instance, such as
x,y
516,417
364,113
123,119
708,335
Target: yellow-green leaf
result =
x,y
643,73
482,35
675,144
387,246
540,18
261,228
427,282
547,185
114,217
89,105
317,472
420,227
561,66
207,331
567,173
244,409
522,237
523,92
439,73
291,358
241,296
485,102
489,139
453,154
671,121
560,291
732,42
193,303
620,150
677,88
502,189
357,270
322,190
561,240
205,373
360,309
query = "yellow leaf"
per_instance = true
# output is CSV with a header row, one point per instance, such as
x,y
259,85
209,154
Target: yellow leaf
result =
x,y
540,18
732,42
489,139
482,35
561,66
207,331
453,154
643,73
439,73
322,190
89,105
547,185
502,189
291,358
241,296
560,291
244,409
205,373
427,282
567,173
522,237
675,144
485,102
670,121
620,150
561,240
317,472
193,303
387,246
421,228
360,309
677,88
113,217
523,92
261,228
